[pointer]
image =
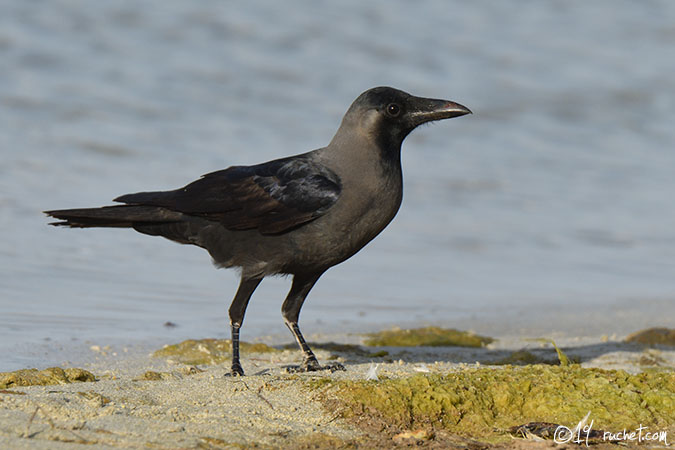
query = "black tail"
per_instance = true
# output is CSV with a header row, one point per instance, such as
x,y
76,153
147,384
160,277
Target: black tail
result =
x,y
125,216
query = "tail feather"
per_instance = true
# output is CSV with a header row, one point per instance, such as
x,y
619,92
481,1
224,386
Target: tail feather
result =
x,y
113,216
156,198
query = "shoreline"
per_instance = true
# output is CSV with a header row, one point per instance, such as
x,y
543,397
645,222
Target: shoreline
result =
x,y
566,326
142,400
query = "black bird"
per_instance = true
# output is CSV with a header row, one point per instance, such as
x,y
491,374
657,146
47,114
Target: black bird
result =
x,y
298,215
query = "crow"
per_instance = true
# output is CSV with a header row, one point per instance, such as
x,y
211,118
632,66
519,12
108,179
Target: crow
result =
x,y
298,215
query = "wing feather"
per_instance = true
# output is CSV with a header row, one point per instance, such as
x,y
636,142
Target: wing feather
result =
x,y
273,197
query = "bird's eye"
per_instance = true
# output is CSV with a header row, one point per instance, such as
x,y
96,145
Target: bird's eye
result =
x,y
393,109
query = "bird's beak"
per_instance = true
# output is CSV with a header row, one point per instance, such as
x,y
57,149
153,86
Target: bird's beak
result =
x,y
429,109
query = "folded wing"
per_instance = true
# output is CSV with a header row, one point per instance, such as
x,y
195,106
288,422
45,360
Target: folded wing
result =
x,y
273,197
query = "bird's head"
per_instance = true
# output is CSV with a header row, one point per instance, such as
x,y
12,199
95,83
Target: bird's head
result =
x,y
389,115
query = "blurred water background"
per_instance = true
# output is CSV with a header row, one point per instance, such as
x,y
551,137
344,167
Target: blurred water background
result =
x,y
549,210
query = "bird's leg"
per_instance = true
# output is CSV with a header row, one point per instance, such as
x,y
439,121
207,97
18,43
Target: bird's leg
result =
x,y
237,311
310,363
237,370
290,310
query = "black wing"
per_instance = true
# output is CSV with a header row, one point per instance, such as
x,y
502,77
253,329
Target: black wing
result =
x,y
273,197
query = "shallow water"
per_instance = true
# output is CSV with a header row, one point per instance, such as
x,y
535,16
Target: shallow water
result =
x,y
549,208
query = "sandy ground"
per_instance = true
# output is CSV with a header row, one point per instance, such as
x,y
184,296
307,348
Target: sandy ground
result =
x,y
198,407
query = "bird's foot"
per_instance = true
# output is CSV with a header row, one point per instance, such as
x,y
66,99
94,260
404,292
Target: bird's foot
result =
x,y
236,371
312,365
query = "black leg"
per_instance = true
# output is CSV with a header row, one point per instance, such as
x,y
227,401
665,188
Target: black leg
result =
x,y
290,310
237,311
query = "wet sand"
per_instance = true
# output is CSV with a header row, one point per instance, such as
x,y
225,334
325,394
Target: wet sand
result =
x,y
145,401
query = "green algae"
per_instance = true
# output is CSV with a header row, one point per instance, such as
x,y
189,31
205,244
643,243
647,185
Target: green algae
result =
x,y
477,402
208,351
562,357
52,375
653,336
525,357
428,336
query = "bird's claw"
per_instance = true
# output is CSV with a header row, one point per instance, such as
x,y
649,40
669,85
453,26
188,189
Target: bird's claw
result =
x,y
236,371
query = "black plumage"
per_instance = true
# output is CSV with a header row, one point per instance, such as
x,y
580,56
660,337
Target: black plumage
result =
x,y
298,215
272,197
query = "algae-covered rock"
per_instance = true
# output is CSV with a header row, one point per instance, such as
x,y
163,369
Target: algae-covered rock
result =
x,y
429,336
208,351
653,336
477,402
52,375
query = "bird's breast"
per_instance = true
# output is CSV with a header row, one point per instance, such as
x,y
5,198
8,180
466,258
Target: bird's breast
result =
x,y
361,213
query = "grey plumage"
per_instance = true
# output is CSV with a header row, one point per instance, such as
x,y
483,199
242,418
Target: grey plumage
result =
x,y
298,215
